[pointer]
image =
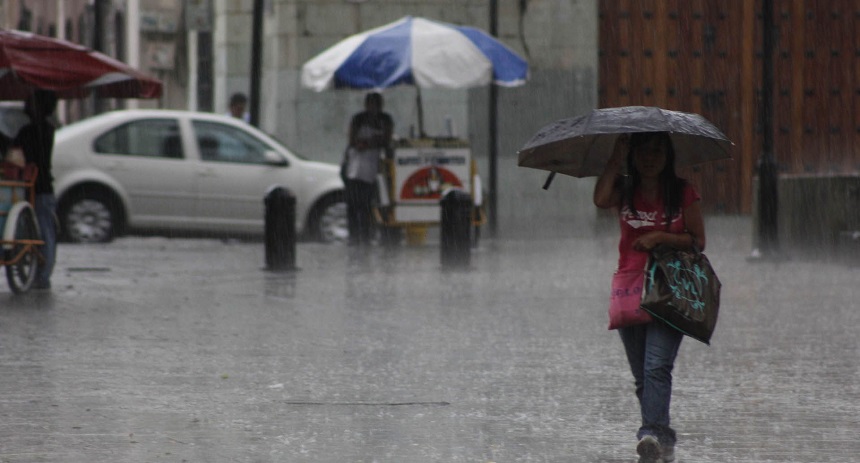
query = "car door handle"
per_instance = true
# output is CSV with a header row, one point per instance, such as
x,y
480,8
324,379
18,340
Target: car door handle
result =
x,y
207,173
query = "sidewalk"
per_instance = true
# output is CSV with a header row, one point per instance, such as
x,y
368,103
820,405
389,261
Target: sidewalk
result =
x,y
151,350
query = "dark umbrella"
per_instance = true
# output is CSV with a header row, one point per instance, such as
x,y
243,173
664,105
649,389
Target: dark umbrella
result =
x,y
581,146
29,61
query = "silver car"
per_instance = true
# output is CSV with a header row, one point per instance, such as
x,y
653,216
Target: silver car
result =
x,y
182,171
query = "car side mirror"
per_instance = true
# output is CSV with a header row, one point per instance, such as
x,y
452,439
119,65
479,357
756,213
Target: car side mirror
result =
x,y
275,159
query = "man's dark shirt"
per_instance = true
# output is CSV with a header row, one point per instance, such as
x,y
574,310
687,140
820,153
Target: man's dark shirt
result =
x,y
379,121
37,141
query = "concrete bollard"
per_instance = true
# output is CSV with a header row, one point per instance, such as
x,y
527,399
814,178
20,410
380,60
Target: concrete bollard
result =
x,y
455,229
280,229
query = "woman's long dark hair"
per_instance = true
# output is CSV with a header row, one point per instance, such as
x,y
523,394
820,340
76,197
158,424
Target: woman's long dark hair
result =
x,y
670,183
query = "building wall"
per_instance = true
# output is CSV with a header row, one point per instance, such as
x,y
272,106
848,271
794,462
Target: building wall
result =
x,y
42,17
78,25
707,59
701,62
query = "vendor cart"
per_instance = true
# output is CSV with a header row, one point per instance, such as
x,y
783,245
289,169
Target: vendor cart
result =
x,y
417,177
423,53
21,238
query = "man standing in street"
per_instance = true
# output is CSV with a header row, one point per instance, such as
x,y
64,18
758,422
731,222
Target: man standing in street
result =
x,y
370,134
36,140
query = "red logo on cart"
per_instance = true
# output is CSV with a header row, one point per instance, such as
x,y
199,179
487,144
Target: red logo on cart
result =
x,y
429,183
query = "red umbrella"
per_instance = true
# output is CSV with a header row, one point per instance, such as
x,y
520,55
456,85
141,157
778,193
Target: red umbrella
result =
x,y
29,61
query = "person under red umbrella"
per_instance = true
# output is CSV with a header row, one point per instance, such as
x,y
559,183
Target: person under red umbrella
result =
x,y
36,141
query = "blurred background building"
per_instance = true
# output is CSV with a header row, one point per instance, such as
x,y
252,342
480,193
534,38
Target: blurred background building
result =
x,y
702,56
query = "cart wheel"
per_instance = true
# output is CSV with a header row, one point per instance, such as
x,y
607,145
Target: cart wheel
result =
x,y
22,273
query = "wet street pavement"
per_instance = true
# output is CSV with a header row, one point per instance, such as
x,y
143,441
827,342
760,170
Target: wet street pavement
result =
x,y
187,350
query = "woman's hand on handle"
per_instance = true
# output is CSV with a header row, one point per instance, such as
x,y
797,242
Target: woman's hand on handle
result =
x,y
605,193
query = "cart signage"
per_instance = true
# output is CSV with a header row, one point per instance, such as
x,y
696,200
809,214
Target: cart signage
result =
x,y
422,175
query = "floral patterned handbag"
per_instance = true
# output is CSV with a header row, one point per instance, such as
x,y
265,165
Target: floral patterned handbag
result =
x,y
682,289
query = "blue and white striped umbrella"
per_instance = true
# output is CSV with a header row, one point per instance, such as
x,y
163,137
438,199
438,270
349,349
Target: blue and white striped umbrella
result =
x,y
419,52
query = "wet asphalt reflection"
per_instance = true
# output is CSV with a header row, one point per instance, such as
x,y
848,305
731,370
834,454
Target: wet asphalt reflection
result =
x,y
152,349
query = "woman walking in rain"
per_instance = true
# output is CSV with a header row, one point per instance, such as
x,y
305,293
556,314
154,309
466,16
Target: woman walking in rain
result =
x,y
654,207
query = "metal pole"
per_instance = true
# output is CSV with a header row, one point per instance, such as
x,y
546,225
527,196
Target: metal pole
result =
x,y
420,105
98,45
61,34
132,40
203,81
492,130
98,25
256,62
768,235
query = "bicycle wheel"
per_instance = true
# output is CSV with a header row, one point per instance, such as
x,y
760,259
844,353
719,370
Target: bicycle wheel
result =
x,y
22,273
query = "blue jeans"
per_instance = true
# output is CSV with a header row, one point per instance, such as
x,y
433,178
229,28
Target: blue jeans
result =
x,y
651,350
46,206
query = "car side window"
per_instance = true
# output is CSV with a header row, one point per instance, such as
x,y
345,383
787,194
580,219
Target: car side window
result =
x,y
225,143
156,138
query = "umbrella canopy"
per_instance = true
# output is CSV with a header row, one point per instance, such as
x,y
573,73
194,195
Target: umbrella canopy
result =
x,y
29,61
581,146
419,52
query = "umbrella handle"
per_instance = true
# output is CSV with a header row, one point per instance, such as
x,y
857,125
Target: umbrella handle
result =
x,y
548,180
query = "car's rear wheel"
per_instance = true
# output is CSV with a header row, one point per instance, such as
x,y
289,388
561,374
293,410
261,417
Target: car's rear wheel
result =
x,y
86,218
327,223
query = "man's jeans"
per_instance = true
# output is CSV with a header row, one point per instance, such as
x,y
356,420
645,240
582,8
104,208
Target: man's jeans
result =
x,y
46,205
359,210
651,350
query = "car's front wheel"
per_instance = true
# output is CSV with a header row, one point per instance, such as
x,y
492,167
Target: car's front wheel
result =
x,y
88,219
327,223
